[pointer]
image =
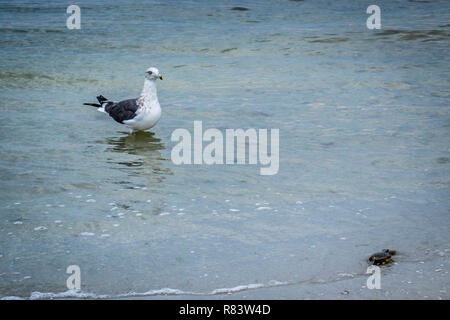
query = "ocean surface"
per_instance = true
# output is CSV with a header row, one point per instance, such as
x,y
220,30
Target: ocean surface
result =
x,y
364,126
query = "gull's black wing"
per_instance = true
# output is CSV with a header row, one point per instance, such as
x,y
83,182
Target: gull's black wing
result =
x,y
123,110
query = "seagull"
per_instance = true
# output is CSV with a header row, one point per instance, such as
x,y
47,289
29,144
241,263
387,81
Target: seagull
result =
x,y
138,114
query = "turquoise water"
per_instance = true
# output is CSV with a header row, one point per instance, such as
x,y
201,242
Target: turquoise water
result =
x,y
364,149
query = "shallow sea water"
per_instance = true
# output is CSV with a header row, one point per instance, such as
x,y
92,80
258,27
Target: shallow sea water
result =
x,y
364,150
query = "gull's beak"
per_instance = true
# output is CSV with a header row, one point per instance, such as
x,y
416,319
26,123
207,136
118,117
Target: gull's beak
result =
x,y
161,77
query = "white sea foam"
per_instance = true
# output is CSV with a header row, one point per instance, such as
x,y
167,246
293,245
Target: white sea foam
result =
x,y
66,294
238,288
12,298
158,292
78,294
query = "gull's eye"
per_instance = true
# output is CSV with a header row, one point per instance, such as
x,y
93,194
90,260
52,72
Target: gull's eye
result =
x,y
149,72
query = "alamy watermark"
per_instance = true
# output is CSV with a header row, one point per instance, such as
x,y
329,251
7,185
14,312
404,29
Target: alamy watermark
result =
x,y
218,151
374,280
74,20
374,21
73,282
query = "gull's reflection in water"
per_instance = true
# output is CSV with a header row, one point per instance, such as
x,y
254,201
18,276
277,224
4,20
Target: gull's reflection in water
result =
x,y
141,155
138,158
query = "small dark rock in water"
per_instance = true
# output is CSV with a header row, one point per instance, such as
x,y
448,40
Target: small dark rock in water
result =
x,y
240,9
383,257
228,50
345,292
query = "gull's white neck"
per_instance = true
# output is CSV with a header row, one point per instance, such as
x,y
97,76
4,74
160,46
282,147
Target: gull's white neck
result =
x,y
148,97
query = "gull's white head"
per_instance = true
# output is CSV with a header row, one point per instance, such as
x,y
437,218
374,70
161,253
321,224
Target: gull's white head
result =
x,y
153,74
